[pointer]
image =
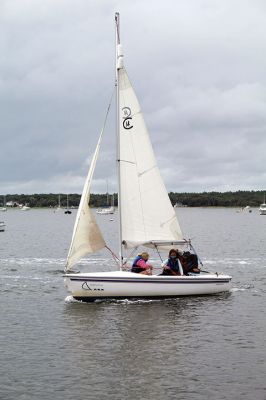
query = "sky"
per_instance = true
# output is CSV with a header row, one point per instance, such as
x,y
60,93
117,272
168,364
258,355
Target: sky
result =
x,y
198,68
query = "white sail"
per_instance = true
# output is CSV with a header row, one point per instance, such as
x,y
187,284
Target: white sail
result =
x,y
87,237
146,211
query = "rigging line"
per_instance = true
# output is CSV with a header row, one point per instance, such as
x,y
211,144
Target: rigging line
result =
x,y
196,255
108,108
158,252
113,255
134,249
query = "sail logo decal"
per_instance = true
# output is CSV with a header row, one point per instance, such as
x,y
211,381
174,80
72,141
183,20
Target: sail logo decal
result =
x,y
127,118
97,286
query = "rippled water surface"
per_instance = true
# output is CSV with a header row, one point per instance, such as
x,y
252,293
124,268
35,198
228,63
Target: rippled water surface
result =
x,y
210,347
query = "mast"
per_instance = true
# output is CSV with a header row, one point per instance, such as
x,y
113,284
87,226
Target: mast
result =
x,y
107,193
117,66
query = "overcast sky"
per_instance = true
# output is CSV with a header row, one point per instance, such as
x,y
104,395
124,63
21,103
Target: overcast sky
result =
x,y
197,66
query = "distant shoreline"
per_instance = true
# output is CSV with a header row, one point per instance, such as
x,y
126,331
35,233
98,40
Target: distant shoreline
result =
x,y
238,199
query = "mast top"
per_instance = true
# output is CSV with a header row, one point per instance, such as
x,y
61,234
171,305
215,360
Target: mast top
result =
x,y
119,50
117,22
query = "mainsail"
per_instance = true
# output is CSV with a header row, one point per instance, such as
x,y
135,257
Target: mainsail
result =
x,y
87,237
146,211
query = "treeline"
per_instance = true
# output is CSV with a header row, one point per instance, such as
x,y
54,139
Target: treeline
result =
x,y
217,199
205,199
52,200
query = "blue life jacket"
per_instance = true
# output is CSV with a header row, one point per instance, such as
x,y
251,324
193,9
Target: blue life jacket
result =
x,y
173,264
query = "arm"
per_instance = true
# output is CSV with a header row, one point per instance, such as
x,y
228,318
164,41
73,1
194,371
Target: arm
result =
x,y
175,269
167,267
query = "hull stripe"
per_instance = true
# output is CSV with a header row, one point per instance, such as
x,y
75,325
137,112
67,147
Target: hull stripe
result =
x,y
179,281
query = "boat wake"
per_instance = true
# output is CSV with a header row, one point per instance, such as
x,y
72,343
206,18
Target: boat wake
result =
x,y
10,263
70,299
242,288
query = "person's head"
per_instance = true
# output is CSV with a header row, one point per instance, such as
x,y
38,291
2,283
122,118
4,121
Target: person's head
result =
x,y
145,256
173,254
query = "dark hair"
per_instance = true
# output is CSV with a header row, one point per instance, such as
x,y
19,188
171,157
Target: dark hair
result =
x,y
173,251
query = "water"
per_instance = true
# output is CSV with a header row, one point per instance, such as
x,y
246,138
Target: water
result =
x,y
189,348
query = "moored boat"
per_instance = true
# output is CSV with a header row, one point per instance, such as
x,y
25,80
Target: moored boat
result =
x,y
3,208
105,210
25,208
262,208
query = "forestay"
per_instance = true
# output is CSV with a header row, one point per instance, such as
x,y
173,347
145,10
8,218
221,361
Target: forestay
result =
x,y
146,211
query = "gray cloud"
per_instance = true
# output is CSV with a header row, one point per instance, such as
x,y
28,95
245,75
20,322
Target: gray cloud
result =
x,y
198,68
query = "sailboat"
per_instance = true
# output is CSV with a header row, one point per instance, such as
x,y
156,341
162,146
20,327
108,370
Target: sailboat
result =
x,y
67,208
146,216
24,208
108,209
58,208
4,205
262,208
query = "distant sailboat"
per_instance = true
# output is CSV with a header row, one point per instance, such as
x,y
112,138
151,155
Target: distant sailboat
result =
x,y
146,216
24,208
4,205
58,208
179,204
108,209
67,208
262,208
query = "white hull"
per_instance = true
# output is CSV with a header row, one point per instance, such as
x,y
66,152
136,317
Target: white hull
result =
x,y
263,209
2,226
105,211
125,285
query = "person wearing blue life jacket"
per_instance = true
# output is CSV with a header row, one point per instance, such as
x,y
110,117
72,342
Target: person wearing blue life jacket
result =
x,y
140,264
172,266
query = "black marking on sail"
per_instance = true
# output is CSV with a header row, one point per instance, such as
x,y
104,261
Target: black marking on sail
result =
x,y
127,118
